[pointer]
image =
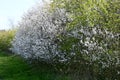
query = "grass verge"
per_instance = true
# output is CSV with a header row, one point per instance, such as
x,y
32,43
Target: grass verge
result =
x,y
14,68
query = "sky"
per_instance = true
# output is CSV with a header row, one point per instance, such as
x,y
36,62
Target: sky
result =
x,y
12,10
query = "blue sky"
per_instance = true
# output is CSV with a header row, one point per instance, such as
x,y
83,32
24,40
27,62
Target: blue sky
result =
x,y
12,10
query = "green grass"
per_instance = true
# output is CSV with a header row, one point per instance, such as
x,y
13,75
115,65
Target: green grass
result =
x,y
14,68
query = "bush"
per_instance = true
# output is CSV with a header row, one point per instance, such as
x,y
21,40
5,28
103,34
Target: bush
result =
x,y
6,38
35,38
71,43
92,38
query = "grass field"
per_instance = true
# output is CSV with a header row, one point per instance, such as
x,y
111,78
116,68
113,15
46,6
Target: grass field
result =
x,y
14,68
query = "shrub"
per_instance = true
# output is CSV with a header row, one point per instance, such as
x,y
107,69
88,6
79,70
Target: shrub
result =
x,y
35,38
72,43
5,39
92,38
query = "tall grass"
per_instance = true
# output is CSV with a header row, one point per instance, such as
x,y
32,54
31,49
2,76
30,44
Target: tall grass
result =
x,y
5,39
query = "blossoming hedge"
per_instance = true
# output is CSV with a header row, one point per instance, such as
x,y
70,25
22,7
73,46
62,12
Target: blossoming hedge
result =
x,y
69,42
35,38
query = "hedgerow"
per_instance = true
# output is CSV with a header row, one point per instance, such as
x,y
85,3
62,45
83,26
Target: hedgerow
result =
x,y
78,41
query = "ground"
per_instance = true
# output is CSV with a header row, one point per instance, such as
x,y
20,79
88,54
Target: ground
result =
x,y
13,67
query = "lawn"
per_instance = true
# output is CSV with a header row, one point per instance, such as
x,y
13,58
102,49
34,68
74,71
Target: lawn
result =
x,y
13,67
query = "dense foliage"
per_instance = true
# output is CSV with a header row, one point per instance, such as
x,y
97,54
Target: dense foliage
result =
x,y
75,36
93,37
92,13
6,38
